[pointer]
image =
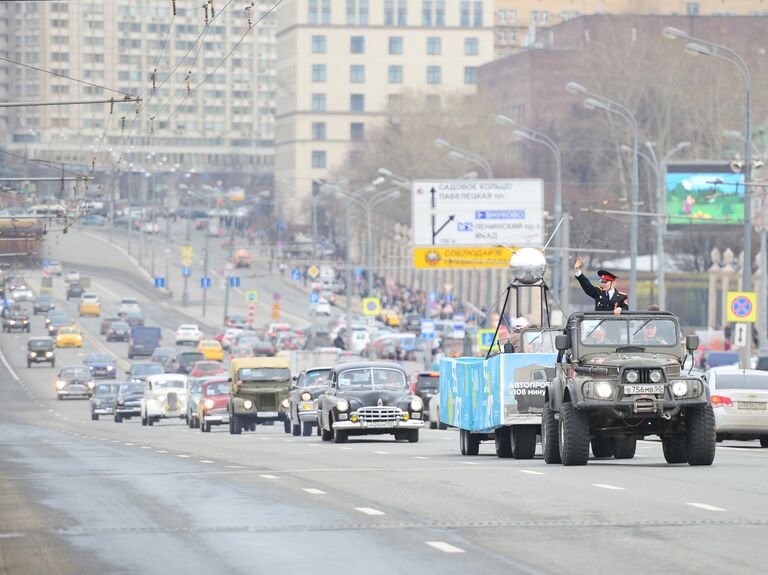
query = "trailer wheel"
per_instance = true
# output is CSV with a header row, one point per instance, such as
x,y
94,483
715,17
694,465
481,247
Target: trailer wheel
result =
x,y
523,441
503,441
469,444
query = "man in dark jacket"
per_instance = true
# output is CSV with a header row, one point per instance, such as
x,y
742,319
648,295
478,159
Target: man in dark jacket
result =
x,y
606,296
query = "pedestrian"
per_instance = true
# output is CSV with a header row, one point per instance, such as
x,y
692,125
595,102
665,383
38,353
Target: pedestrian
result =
x,y
606,296
515,338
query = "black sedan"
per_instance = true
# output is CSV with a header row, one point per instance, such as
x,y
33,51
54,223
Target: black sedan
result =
x,y
17,320
42,304
128,401
74,381
118,331
369,398
310,385
41,350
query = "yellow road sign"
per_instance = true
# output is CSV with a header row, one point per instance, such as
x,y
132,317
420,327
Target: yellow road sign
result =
x,y
313,272
455,258
187,252
484,339
371,306
742,306
186,261
252,296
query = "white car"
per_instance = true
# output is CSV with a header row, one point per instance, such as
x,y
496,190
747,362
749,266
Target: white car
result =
x,y
739,398
188,333
229,336
323,307
23,294
165,397
151,228
128,305
54,268
72,276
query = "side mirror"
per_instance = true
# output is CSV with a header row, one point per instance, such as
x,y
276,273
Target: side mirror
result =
x,y
333,385
295,378
692,342
562,342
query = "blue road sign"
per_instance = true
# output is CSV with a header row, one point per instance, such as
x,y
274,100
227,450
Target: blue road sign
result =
x,y
500,215
159,282
314,297
427,329
296,274
205,282
186,271
234,281
5,302
486,338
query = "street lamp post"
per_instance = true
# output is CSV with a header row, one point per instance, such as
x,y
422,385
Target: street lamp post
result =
x,y
596,101
456,153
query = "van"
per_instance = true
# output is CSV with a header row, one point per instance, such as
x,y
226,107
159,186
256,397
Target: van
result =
x,y
143,341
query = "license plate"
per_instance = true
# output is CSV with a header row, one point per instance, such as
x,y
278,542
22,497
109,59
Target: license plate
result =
x,y
379,424
752,405
643,389
267,414
306,407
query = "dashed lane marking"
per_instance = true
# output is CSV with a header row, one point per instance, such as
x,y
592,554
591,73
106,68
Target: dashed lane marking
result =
x,y
233,466
469,462
369,511
444,547
267,476
531,472
162,451
382,452
182,455
206,461
420,457
313,491
606,486
706,507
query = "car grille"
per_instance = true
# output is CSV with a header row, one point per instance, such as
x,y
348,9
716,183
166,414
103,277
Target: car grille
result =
x,y
173,401
266,402
644,375
218,411
369,414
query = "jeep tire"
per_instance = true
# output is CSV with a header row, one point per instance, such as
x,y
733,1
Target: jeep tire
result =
x,y
675,448
503,441
296,429
469,443
701,435
574,435
235,425
624,448
550,440
523,441
602,447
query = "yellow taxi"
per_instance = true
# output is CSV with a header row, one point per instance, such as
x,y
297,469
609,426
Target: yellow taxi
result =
x,y
243,259
211,349
69,336
89,305
390,318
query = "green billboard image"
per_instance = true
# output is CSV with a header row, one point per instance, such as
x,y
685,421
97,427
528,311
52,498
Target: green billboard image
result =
x,y
704,193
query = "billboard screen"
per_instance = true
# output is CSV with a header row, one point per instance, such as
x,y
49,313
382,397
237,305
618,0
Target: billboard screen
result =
x,y
704,193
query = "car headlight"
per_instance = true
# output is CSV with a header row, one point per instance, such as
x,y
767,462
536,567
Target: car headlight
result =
x,y
161,398
48,354
342,405
631,376
32,354
680,388
11,322
61,384
286,404
603,390
417,404
90,384
247,404
655,376
209,403
306,396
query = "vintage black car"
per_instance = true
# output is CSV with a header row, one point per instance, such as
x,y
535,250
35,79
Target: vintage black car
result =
x,y
74,381
369,398
74,290
310,385
103,399
41,350
17,320
128,400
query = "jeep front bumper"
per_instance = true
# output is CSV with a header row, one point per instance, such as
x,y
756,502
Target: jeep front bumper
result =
x,y
642,406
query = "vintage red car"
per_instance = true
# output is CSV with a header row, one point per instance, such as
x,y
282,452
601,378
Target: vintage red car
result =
x,y
206,368
212,406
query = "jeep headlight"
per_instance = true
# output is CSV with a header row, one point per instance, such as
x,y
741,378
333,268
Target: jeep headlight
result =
x,y
286,404
306,396
655,376
48,354
417,404
247,404
11,321
680,388
61,384
32,354
603,390
631,376
209,403
343,405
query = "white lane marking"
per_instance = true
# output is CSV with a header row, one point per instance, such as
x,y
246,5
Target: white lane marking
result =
x,y
8,367
145,447
206,461
233,466
531,472
127,443
444,547
113,441
706,507
313,491
182,455
370,511
469,462
420,457
267,476
606,486
11,535
346,448
107,290
382,452
162,451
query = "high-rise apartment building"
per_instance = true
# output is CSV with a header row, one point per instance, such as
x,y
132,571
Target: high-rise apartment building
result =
x,y
519,21
342,66
139,47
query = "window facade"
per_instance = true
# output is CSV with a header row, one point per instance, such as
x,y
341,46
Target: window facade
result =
x,y
434,46
319,44
318,159
318,73
470,75
318,131
395,44
471,46
434,75
318,102
357,103
357,73
357,131
471,13
395,74
357,44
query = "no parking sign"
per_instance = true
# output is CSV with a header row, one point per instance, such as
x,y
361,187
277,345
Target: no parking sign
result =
x,y
742,306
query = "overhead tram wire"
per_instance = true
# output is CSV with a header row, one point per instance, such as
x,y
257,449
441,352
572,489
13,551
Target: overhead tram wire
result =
x,y
47,163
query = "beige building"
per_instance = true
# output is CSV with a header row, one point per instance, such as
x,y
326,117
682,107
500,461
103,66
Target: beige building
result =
x,y
343,65
224,126
519,21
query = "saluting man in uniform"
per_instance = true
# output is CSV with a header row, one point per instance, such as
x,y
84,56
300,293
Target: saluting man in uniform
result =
x,y
607,298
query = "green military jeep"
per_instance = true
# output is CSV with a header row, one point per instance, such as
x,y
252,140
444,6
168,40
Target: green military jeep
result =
x,y
620,378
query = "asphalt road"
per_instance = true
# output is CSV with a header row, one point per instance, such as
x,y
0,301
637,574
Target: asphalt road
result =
x,y
82,496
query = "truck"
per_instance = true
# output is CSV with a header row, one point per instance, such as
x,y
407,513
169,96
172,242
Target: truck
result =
x,y
258,393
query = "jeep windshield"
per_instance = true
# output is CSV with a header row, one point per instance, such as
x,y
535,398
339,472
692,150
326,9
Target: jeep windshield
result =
x,y
372,378
266,374
642,332
40,344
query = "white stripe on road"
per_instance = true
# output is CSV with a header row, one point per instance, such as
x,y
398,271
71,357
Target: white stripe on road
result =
x,y
267,476
127,443
382,452
370,511
444,547
469,462
162,451
313,491
420,457
706,507
530,472
233,466
605,486
181,455
145,447
347,448
206,461
11,535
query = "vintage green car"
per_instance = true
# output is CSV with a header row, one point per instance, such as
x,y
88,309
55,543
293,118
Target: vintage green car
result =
x,y
258,392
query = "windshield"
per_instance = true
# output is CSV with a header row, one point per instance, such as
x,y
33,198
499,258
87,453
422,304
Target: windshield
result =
x,y
39,344
264,374
99,358
76,373
167,384
126,388
186,358
652,332
428,382
217,389
104,389
65,330
119,325
147,369
372,378
314,377
617,331
539,341
741,381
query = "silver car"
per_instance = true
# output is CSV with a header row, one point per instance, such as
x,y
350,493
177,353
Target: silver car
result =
x,y
193,399
739,398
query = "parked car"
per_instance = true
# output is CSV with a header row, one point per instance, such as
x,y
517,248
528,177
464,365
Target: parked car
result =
x,y
188,333
142,370
206,368
43,304
102,365
41,350
69,336
323,307
128,400
92,220
310,385
118,331
128,305
739,398
74,290
350,407
106,322
211,349
165,397
143,340
17,319
103,400
90,304
426,384
74,381
212,407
